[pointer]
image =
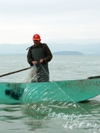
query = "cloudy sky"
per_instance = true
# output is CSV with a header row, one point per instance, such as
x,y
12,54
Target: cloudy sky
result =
x,y
57,21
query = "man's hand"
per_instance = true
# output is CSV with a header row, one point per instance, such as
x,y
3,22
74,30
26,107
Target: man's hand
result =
x,y
41,60
34,62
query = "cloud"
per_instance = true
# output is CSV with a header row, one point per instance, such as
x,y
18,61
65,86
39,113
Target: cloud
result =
x,y
46,7
53,19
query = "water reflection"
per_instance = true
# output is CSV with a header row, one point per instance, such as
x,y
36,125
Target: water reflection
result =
x,y
7,112
66,115
60,115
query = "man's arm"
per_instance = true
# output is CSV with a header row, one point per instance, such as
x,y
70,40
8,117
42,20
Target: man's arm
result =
x,y
29,57
48,54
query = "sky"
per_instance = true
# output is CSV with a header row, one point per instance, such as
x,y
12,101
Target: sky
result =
x,y
57,21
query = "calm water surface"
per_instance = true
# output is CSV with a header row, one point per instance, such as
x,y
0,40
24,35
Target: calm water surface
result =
x,y
58,117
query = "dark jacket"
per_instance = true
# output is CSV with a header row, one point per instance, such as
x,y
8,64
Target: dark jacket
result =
x,y
47,52
35,53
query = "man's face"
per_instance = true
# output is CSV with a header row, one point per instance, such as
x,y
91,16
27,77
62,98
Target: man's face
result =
x,y
36,42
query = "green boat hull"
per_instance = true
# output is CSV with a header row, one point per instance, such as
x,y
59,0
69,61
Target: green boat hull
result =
x,y
61,91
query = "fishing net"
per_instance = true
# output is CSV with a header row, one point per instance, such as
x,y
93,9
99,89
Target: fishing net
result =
x,y
31,76
45,106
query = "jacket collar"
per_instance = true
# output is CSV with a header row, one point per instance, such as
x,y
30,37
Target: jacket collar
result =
x,y
37,46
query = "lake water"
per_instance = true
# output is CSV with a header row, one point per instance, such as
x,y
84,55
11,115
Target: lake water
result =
x,y
62,117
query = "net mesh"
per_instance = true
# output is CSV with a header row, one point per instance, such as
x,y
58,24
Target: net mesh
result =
x,y
48,107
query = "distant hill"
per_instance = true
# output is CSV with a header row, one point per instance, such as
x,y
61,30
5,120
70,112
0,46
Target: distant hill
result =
x,y
86,49
68,53
14,48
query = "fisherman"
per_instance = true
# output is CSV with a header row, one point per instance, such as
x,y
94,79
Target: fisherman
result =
x,y
39,54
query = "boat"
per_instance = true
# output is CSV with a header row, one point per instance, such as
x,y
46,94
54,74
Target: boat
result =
x,y
60,91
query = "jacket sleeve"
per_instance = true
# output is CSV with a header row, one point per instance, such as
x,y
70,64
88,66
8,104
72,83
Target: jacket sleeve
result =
x,y
29,57
47,52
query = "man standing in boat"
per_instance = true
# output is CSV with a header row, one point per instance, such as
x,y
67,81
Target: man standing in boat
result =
x,y
40,54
